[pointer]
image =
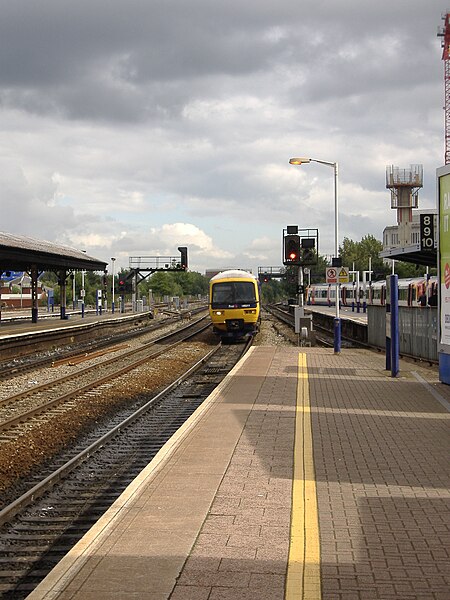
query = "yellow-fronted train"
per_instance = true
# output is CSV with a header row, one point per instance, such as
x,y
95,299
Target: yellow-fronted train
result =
x,y
234,304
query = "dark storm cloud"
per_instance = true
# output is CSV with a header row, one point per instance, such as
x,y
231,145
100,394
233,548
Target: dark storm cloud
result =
x,y
167,111
144,60
132,59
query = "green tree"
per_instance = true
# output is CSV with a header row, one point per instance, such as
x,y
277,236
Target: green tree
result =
x,y
318,271
175,283
272,291
163,285
191,283
357,254
405,270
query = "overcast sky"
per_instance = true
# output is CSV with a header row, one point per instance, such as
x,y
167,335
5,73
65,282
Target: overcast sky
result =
x,y
129,128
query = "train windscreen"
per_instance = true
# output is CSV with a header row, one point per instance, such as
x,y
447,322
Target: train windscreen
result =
x,y
233,294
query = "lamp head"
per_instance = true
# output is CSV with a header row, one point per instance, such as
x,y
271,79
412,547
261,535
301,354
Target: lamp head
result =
x,y
299,161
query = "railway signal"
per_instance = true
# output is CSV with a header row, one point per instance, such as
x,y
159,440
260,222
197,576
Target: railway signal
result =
x,y
184,257
291,249
309,256
125,285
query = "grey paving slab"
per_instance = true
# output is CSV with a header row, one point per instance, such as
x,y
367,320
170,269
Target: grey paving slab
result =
x,y
212,521
381,448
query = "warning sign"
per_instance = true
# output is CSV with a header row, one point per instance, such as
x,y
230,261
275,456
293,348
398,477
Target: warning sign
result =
x,y
337,275
331,275
343,275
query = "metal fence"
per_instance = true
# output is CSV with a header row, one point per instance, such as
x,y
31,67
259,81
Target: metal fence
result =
x,y
417,330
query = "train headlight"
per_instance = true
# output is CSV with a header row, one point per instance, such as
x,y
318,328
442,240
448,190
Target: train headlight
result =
x,y
218,313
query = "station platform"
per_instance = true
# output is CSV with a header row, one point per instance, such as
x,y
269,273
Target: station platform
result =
x,y
21,338
51,321
304,475
345,312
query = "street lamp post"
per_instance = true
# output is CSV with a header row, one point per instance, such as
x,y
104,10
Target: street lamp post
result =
x,y
337,321
113,260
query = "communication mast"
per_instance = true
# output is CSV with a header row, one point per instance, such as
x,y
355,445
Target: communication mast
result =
x,y
404,185
444,33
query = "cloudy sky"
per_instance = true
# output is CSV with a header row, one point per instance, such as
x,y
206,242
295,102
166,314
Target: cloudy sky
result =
x,y
130,127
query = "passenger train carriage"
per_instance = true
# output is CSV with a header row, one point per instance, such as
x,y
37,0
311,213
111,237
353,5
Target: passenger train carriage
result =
x,y
234,304
409,292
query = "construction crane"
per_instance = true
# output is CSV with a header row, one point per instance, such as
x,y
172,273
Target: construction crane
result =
x,y
444,33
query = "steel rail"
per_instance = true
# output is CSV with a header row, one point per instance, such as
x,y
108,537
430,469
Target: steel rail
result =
x,y
9,423
8,370
8,512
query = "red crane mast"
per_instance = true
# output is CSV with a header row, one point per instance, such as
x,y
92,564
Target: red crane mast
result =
x,y
444,33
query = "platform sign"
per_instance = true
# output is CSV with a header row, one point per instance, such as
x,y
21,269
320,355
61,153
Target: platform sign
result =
x,y
426,232
10,275
337,275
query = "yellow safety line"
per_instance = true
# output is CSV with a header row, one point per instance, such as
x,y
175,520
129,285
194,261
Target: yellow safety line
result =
x,y
303,574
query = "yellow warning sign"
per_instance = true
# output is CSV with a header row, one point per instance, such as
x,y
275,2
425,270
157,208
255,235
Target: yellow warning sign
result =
x,y
343,275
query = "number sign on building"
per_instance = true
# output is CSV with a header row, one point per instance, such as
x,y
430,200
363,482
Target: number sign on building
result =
x,y
426,232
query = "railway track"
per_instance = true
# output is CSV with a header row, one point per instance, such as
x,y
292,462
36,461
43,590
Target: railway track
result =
x,y
18,412
83,482
322,335
38,361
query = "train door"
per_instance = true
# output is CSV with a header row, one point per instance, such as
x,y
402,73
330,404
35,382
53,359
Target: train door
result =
x,y
411,294
344,295
330,299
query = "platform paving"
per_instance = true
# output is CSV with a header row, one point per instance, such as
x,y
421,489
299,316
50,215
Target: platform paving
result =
x,y
210,518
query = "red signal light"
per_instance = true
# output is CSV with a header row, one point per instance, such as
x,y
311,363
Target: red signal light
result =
x,y
291,248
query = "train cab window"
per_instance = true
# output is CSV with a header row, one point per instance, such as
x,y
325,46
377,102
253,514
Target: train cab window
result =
x,y
222,293
244,291
233,293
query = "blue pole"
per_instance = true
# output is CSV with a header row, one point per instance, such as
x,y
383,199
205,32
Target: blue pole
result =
x,y
388,353
395,338
337,336
388,330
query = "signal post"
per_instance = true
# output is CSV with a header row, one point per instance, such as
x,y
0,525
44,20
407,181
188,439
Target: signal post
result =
x,y
299,250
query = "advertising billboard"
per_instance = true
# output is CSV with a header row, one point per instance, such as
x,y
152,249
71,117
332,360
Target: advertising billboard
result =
x,y
443,202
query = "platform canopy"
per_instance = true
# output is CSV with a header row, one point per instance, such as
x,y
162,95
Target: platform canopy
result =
x,y
20,253
412,254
